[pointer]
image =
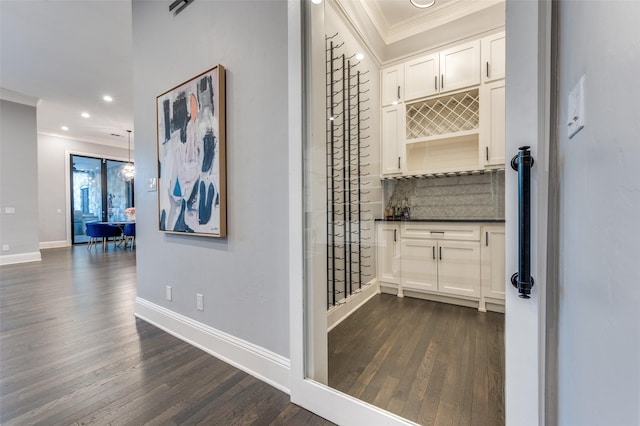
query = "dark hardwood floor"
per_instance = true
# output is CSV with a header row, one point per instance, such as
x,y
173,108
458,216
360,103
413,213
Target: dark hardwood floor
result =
x,y
71,352
432,363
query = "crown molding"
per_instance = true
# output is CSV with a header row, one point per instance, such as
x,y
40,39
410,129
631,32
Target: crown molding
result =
x,y
11,96
422,22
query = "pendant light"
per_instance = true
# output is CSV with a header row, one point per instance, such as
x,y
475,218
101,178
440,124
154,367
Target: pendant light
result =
x,y
128,171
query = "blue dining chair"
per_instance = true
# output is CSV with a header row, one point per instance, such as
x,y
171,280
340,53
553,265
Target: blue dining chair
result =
x,y
101,231
130,234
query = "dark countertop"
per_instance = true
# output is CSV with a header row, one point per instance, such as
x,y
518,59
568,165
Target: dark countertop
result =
x,y
444,220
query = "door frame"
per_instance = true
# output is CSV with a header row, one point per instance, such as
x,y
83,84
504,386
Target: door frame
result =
x,y
528,32
67,184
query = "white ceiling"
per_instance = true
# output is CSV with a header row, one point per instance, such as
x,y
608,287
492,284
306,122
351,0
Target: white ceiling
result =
x,y
68,55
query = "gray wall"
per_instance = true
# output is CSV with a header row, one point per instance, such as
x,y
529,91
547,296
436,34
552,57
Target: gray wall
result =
x,y
18,178
52,169
599,184
244,278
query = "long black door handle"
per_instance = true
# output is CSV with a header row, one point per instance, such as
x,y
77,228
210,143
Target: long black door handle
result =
x,y
522,279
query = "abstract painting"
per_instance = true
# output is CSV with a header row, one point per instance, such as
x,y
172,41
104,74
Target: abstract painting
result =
x,y
191,156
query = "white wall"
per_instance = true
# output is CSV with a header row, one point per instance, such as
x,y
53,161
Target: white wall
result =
x,y
244,277
599,181
18,182
52,169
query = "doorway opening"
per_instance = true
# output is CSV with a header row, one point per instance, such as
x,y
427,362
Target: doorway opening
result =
x,y
98,193
408,188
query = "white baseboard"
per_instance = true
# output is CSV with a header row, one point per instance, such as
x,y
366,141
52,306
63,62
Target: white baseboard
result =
x,y
10,259
53,244
339,313
261,363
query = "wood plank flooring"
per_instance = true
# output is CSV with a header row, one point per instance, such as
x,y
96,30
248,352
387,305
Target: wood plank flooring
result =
x,y
72,353
432,363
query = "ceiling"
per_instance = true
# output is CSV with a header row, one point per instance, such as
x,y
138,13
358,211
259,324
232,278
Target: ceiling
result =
x,y
66,55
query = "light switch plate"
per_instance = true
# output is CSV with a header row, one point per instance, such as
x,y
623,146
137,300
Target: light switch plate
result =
x,y
575,119
152,185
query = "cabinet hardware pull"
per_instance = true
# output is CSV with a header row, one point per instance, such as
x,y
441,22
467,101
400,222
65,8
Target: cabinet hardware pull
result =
x,y
394,235
487,69
440,249
398,92
487,151
433,252
435,82
442,81
437,232
522,279
398,162
486,239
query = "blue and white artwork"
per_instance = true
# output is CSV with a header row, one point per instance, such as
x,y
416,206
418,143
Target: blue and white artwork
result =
x,y
191,156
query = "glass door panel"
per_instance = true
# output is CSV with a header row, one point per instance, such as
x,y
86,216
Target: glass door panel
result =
x,y
119,192
86,195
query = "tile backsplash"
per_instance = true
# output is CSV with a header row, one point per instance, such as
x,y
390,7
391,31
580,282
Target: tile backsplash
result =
x,y
458,197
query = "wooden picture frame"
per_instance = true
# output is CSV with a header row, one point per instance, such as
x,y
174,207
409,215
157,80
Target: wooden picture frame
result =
x,y
191,140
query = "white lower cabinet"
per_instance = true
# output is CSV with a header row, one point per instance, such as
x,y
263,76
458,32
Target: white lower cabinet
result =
x,y
493,277
388,253
459,268
450,267
447,262
419,265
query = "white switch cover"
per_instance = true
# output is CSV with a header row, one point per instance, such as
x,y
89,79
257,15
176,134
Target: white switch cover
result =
x,y
575,119
5,247
9,210
169,293
200,302
152,184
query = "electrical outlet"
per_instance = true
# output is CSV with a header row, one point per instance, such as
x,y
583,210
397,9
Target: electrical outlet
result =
x,y
5,247
169,293
200,302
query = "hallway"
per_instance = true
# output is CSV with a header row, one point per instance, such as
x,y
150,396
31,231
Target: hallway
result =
x,y
72,352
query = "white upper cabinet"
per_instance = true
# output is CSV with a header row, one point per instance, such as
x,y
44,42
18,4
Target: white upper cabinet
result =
x,y
392,79
460,66
451,69
493,57
492,123
421,77
392,142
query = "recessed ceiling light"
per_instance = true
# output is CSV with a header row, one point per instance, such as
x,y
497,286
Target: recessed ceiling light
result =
x,y
316,1
64,128
85,115
423,4
107,98
359,56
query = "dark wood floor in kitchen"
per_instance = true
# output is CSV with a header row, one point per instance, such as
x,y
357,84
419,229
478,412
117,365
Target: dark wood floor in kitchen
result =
x,y
71,352
432,363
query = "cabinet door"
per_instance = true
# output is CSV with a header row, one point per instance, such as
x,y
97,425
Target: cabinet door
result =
x,y
421,77
492,123
388,253
418,265
460,66
392,85
391,149
493,57
493,266
459,268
